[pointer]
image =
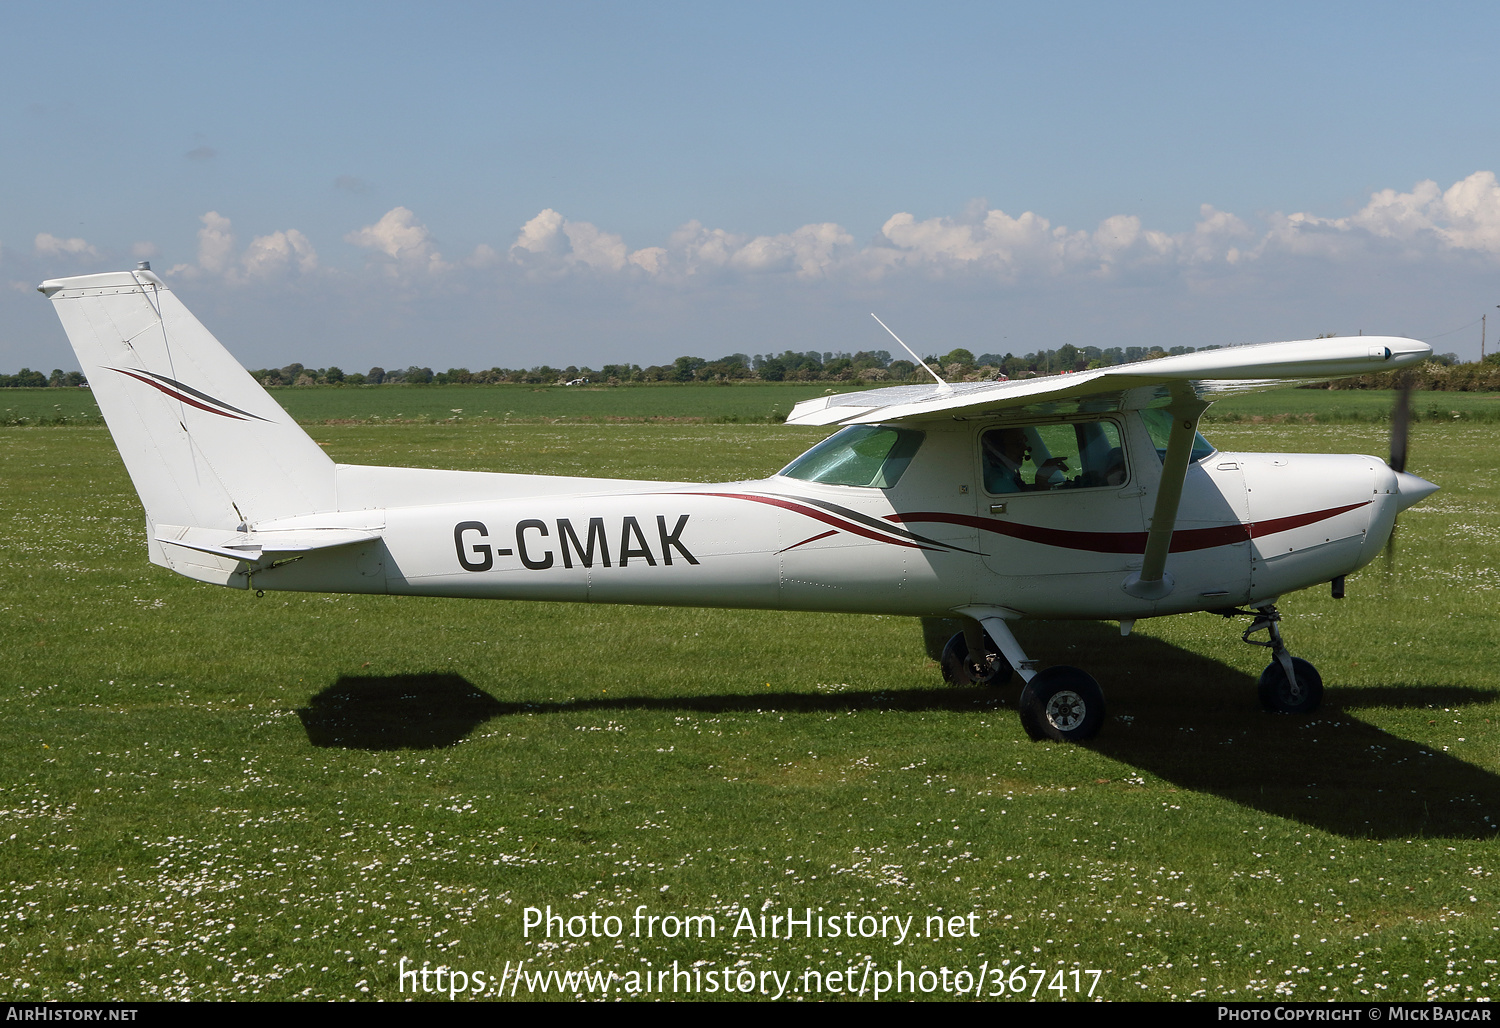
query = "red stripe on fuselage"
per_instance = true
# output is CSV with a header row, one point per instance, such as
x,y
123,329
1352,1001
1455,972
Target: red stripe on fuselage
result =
x,y
1130,542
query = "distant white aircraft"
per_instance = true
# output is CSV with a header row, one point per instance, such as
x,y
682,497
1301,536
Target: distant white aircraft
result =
x,y
1088,496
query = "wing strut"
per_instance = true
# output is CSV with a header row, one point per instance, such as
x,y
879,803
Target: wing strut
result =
x,y
1152,582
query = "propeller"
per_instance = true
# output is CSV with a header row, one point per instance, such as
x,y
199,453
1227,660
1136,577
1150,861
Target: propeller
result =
x,y
1400,426
1400,437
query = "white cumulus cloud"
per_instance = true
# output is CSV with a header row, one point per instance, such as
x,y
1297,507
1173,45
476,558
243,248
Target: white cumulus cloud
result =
x,y
215,243
979,245
594,248
996,241
810,251
550,240
1422,222
542,235
1218,235
651,259
48,245
269,256
403,239
698,248
276,253
1471,213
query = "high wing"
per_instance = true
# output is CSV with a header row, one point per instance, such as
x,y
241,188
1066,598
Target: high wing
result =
x,y
1165,382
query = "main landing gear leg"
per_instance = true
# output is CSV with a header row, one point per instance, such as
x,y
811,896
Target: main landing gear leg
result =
x,y
1288,685
972,658
1060,703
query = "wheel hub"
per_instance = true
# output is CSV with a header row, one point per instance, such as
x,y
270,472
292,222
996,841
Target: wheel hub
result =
x,y
1066,710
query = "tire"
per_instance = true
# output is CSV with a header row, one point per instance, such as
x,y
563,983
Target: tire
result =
x,y
1280,697
959,671
1063,704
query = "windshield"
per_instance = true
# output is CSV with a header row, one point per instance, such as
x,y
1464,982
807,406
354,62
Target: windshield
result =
x,y
864,455
1159,424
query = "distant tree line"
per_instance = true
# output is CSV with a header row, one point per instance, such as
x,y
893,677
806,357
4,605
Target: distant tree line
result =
x,y
32,379
1442,372
788,366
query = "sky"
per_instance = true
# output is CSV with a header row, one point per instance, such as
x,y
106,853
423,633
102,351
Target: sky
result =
x,y
498,184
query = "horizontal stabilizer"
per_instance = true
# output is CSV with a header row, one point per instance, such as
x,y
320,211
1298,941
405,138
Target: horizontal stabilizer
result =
x,y
259,549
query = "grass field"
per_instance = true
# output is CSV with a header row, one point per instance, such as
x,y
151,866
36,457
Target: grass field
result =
x,y
207,795
742,402
748,402
1346,406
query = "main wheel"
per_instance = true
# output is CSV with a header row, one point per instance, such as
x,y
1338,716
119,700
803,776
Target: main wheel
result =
x,y
1282,697
958,669
1062,703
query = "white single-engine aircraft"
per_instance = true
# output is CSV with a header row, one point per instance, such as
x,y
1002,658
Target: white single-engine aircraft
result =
x,y
1086,496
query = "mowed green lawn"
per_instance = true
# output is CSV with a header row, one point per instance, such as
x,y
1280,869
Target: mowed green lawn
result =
x,y
738,402
743,401
209,795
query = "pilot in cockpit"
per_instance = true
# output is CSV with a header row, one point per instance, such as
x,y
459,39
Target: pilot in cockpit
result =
x,y
1006,452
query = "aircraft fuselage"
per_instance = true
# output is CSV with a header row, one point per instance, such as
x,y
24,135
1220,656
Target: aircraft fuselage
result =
x,y
1251,527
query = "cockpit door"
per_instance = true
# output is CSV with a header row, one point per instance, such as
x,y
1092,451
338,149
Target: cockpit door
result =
x,y
1064,508
1059,498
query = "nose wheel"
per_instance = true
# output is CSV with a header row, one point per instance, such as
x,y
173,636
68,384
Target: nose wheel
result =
x,y
1288,685
1299,693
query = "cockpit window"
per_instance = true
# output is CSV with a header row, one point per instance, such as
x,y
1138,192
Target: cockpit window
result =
x,y
1159,424
863,455
1038,458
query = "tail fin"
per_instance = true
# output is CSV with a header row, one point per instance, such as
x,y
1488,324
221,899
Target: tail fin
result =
x,y
205,445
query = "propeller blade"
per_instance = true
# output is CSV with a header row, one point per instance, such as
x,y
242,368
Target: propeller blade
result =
x,y
1400,427
1400,435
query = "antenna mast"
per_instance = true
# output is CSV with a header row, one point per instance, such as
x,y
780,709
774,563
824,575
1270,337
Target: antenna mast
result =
x,y
941,384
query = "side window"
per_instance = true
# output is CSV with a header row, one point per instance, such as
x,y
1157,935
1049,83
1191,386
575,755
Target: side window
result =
x,y
1041,458
1159,424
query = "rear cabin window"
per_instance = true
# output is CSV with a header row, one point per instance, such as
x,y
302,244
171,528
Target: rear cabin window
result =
x,y
864,455
1041,458
1159,424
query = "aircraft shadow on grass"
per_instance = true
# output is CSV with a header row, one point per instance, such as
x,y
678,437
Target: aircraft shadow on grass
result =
x,y
1183,717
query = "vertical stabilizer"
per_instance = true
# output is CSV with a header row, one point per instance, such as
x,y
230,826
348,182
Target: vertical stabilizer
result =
x,y
205,445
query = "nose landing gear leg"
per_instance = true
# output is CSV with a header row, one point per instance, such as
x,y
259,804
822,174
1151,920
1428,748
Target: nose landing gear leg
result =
x,y
1288,685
